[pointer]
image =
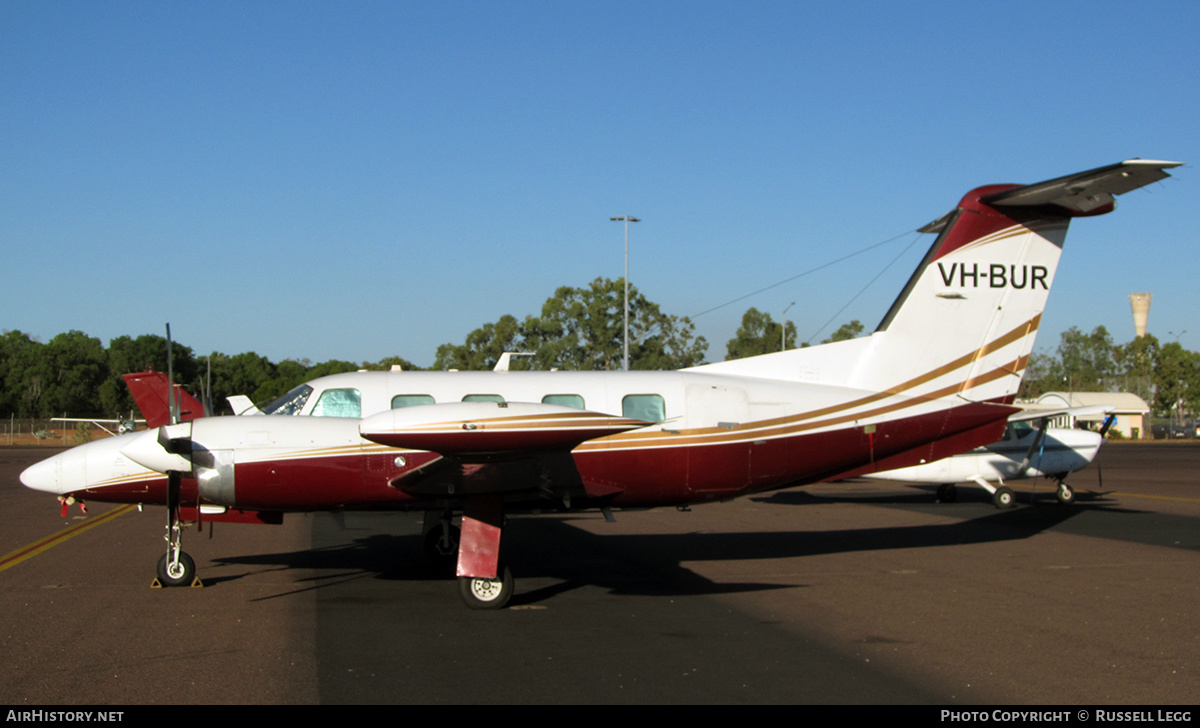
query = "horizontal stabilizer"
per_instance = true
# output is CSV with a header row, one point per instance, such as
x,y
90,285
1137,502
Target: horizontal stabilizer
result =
x,y
1085,193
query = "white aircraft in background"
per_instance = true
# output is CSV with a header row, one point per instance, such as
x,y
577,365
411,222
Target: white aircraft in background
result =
x,y
936,378
1025,451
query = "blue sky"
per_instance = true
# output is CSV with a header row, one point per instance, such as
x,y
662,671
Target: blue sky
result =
x,y
356,180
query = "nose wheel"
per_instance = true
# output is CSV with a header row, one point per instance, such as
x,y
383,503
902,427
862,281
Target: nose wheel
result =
x,y
175,568
180,572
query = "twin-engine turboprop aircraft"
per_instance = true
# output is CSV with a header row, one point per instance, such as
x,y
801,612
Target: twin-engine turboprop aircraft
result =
x,y
937,377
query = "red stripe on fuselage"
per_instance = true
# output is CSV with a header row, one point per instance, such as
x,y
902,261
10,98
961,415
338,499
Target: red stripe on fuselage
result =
x,y
643,477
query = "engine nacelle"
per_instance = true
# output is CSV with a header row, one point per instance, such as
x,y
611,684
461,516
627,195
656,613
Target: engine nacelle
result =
x,y
214,473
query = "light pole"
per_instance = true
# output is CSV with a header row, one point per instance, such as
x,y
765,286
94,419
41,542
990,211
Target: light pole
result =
x,y
627,219
783,334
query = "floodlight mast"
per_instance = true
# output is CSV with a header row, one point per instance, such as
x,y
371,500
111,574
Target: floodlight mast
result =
x,y
627,219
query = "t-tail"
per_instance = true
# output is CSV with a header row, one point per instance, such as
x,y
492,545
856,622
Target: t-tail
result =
x,y
965,323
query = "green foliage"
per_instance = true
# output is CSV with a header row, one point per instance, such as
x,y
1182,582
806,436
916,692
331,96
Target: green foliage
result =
x,y
74,374
758,334
1166,376
1177,380
83,433
845,332
582,329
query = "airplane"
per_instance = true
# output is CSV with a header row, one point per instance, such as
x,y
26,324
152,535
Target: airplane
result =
x,y
151,391
937,377
1025,451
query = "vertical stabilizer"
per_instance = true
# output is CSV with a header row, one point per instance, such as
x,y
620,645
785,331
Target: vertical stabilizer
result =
x,y
965,323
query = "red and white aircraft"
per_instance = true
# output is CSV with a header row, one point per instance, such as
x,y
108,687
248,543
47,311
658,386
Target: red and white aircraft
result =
x,y
936,378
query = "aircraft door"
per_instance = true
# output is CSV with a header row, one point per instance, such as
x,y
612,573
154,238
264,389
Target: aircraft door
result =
x,y
719,462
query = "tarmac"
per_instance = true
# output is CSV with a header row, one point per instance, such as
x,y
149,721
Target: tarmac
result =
x,y
840,593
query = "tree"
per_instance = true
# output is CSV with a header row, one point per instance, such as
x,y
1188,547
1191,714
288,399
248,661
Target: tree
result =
x,y
846,332
147,352
73,365
21,383
758,334
1087,360
582,329
1082,363
1042,374
1176,379
482,348
1135,365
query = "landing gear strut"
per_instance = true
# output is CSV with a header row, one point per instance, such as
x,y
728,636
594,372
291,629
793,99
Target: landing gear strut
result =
x,y
175,568
483,582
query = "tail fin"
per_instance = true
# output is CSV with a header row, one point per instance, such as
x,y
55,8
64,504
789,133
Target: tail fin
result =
x,y
965,323
149,390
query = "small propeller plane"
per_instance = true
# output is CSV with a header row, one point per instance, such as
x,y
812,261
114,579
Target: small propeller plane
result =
x,y
936,378
1025,451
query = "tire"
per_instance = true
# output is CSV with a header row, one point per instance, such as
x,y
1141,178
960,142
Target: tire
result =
x,y
1004,497
1066,494
183,574
483,593
947,493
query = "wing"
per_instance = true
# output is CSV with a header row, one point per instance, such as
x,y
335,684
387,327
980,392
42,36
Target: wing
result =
x,y
1034,413
476,431
521,449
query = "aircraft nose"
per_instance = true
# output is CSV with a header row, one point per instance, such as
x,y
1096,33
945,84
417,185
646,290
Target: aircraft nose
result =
x,y
46,475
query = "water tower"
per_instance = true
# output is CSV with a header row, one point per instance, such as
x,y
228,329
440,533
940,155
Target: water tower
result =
x,y
1141,311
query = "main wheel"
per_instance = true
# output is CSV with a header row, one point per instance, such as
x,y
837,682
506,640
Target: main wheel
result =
x,y
483,593
1066,494
947,493
178,574
1003,497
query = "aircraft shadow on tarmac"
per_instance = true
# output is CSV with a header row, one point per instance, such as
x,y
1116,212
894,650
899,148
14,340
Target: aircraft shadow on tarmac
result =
x,y
625,564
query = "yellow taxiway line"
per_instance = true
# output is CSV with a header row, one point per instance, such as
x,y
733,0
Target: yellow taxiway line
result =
x,y
15,557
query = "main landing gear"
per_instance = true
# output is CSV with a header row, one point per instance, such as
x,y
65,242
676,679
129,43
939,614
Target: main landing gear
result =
x,y
1002,495
483,581
479,592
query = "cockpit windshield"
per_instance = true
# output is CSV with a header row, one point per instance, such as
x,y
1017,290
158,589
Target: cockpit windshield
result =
x,y
290,403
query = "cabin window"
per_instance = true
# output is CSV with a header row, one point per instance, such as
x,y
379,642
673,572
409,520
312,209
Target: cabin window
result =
x,y
645,407
339,403
410,400
564,400
1017,430
483,398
